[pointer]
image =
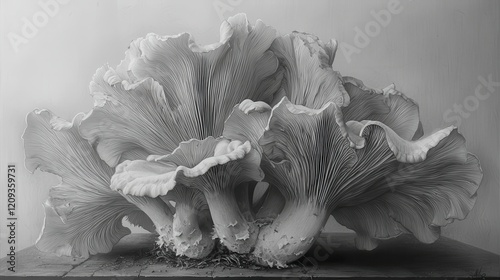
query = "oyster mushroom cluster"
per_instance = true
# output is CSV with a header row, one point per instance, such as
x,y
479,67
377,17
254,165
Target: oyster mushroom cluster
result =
x,y
181,134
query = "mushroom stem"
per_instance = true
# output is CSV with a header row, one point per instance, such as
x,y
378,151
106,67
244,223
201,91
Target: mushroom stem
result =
x,y
272,206
244,194
291,234
236,232
159,212
189,238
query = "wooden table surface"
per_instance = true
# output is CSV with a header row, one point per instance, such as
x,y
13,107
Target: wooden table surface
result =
x,y
333,256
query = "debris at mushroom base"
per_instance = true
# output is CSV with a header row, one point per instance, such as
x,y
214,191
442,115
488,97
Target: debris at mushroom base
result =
x,y
220,257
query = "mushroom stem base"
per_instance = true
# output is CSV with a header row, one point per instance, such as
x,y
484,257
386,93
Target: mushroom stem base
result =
x,y
235,231
290,235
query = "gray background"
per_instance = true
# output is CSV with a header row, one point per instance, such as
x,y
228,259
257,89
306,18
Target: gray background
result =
x,y
433,50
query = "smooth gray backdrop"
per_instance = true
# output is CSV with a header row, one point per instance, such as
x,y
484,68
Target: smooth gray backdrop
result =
x,y
436,52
